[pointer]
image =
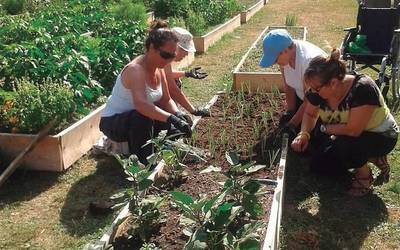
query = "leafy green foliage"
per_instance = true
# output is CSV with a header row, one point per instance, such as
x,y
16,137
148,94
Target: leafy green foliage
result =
x,y
77,43
34,106
127,10
171,8
212,222
196,23
13,7
197,14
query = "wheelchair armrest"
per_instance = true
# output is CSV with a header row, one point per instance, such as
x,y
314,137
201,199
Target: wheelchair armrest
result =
x,y
350,29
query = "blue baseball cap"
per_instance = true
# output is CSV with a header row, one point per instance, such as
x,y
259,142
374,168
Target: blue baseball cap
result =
x,y
274,43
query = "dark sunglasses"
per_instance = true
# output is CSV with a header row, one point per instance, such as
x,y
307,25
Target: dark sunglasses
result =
x,y
167,55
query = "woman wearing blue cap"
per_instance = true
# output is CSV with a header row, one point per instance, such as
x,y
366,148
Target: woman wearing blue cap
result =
x,y
293,57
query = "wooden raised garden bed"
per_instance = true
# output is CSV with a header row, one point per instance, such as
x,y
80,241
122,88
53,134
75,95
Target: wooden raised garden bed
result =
x,y
231,127
247,14
202,43
55,152
248,75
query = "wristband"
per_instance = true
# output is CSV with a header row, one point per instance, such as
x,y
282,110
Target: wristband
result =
x,y
305,134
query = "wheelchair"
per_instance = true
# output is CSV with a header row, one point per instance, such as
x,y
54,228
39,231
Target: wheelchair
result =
x,y
381,30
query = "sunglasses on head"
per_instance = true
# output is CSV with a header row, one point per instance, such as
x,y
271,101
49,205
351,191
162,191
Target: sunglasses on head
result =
x,y
167,55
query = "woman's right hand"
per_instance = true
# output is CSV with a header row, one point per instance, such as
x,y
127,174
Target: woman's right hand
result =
x,y
180,124
300,143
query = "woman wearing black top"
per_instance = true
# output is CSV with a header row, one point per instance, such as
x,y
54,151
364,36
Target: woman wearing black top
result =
x,y
356,122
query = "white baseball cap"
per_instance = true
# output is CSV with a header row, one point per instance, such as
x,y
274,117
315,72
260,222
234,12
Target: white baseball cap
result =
x,y
185,39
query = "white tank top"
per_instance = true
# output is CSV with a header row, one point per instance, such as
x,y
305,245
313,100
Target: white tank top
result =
x,y
121,99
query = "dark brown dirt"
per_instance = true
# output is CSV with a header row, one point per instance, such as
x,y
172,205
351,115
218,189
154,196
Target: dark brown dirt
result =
x,y
229,131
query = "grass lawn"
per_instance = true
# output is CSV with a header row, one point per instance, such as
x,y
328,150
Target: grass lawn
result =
x,y
49,211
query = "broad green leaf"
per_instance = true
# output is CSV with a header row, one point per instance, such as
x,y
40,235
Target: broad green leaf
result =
x,y
254,169
229,240
182,197
252,205
249,244
232,158
197,241
249,230
144,184
252,186
210,169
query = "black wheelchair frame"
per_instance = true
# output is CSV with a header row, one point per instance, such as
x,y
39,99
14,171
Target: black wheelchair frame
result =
x,y
382,28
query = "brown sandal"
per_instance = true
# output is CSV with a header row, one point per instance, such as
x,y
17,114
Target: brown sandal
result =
x,y
383,165
358,188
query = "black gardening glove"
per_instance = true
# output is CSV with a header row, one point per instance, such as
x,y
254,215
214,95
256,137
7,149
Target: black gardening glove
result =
x,y
184,117
289,129
201,111
196,73
180,124
285,118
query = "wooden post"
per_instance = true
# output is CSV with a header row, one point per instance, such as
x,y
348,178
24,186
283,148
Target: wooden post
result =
x,y
15,163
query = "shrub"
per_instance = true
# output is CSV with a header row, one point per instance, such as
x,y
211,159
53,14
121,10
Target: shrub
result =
x,y
176,22
34,106
127,10
196,23
13,7
215,12
171,8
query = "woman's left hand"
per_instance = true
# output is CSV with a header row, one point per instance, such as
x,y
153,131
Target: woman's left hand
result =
x,y
300,143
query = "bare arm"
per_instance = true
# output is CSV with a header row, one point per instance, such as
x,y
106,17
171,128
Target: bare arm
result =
x,y
358,120
290,94
133,77
176,93
310,117
166,102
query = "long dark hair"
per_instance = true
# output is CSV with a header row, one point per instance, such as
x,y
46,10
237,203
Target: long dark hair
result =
x,y
326,68
159,34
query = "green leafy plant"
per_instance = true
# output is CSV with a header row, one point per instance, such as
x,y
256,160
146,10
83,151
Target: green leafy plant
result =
x,y
146,216
34,106
290,20
171,8
13,7
212,222
196,23
127,10
243,189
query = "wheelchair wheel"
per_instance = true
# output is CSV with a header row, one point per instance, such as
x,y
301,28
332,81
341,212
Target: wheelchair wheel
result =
x,y
395,74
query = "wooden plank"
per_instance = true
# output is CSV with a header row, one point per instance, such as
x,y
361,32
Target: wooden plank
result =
x,y
271,241
202,43
250,12
45,156
185,62
80,137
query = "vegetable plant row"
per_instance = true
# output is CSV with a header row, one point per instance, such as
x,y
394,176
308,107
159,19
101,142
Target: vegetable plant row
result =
x,y
210,194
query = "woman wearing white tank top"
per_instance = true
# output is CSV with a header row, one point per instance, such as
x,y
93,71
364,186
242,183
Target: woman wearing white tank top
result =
x,y
140,105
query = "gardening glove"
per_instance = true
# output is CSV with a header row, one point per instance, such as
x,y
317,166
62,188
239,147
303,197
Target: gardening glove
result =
x,y
289,129
184,117
196,73
201,111
285,118
180,124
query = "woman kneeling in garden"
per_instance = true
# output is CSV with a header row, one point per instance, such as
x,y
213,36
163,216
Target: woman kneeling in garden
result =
x,y
356,123
140,105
